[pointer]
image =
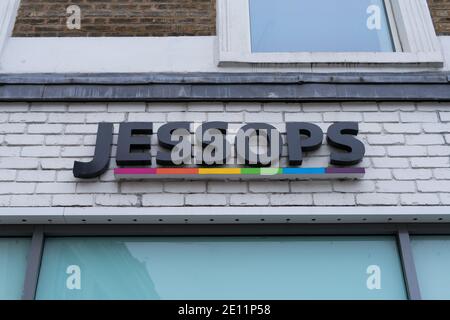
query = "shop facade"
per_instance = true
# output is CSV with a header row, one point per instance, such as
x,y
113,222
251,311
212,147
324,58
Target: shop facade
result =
x,y
361,215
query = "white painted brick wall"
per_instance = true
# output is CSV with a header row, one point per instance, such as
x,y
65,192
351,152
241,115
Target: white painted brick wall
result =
x,y
249,199
74,200
117,200
403,127
206,199
407,158
160,200
292,198
334,199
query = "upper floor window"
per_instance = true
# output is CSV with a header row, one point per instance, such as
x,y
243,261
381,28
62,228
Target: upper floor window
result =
x,y
320,26
389,33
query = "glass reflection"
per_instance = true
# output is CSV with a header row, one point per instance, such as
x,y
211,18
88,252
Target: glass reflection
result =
x,y
13,261
222,268
320,26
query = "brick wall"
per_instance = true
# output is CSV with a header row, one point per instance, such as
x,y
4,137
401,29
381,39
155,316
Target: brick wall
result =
x,y
440,11
407,158
47,18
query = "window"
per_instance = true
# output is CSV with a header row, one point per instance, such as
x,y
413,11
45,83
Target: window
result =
x,y
367,32
221,268
432,260
13,256
320,26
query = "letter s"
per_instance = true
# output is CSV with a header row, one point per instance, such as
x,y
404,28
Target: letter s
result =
x,y
340,135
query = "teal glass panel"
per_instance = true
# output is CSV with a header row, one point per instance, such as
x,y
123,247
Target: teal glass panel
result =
x,y
221,268
320,26
432,260
13,262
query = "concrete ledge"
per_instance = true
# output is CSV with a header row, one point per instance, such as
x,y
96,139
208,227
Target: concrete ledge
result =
x,y
225,215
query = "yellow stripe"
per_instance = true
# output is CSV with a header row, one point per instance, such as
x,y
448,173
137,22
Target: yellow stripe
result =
x,y
219,171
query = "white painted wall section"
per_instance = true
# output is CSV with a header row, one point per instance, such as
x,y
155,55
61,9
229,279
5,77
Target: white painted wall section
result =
x,y
142,54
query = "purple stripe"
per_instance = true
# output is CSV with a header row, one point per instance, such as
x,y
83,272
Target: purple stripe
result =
x,y
345,170
135,171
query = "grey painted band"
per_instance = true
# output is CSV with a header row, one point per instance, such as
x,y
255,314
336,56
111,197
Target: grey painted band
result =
x,y
226,87
225,92
225,229
224,78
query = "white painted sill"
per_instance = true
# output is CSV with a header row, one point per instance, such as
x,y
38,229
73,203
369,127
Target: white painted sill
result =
x,y
421,59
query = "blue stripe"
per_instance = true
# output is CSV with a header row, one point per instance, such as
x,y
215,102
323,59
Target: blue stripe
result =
x,y
303,170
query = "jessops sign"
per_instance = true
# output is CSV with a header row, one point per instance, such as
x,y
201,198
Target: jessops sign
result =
x,y
207,153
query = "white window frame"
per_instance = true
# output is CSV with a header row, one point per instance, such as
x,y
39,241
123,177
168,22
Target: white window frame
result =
x,y
8,12
412,28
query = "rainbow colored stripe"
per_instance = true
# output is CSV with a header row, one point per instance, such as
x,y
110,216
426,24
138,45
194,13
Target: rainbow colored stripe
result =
x,y
329,172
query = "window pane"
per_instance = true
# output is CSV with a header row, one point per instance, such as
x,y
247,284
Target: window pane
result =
x,y
432,260
13,261
221,268
319,26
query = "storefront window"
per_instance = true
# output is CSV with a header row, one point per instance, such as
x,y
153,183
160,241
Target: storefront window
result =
x,y
320,26
221,268
13,258
432,260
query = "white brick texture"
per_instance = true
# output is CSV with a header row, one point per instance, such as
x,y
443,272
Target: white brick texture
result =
x,y
407,155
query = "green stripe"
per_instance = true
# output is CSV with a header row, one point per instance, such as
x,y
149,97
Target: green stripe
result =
x,y
250,170
271,171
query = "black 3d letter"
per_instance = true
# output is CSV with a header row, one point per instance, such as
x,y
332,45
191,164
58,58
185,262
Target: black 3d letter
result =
x,y
297,144
165,141
129,143
340,135
100,162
